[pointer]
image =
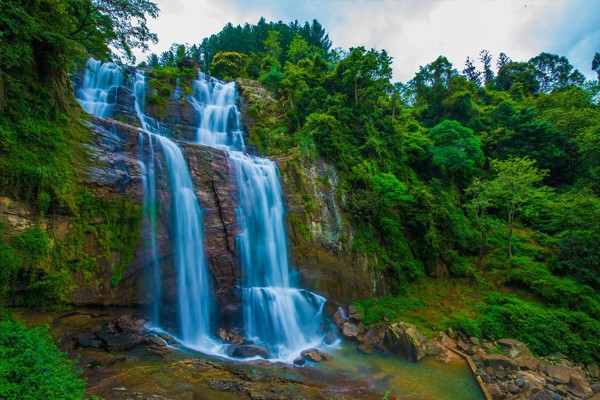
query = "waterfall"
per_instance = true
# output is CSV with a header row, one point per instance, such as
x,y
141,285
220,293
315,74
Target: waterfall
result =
x,y
194,289
98,91
277,315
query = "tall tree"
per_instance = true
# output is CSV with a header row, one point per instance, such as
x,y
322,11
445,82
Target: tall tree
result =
x,y
555,72
596,64
486,59
121,25
470,72
517,182
503,60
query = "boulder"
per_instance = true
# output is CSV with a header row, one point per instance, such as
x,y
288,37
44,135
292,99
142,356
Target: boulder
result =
x,y
495,361
495,391
445,340
579,386
353,313
338,318
299,361
559,373
248,350
130,324
350,331
314,355
404,340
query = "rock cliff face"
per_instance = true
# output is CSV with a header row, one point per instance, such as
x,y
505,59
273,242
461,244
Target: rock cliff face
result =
x,y
320,239
117,172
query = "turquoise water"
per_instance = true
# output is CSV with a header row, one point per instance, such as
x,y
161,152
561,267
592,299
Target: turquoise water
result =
x,y
427,379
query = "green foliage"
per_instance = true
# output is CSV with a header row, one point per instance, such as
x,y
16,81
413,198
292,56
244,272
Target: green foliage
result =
x,y
228,65
32,367
545,330
33,244
455,148
375,309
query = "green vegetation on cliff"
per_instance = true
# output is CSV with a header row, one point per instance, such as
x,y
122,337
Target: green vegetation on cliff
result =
x,y
43,139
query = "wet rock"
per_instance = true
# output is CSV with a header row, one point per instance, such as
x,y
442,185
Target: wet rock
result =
x,y
118,343
248,350
361,328
404,340
350,331
562,389
86,340
299,361
314,355
445,340
338,319
129,324
330,337
495,361
593,371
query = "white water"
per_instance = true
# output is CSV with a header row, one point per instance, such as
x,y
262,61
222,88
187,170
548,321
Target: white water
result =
x,y
194,288
99,89
277,315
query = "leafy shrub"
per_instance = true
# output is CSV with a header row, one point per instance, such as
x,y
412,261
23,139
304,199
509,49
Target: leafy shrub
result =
x,y
545,330
32,367
32,245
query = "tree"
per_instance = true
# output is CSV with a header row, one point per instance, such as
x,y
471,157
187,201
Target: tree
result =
x,y
118,24
365,74
482,195
517,183
486,59
228,65
503,60
273,47
517,74
455,148
596,64
152,60
298,50
554,72
471,73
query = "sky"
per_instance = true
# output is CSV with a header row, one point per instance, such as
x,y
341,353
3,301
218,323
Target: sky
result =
x,y
413,32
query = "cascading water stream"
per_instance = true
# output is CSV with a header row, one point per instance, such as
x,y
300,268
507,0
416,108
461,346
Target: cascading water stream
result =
x,y
277,315
194,299
98,91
